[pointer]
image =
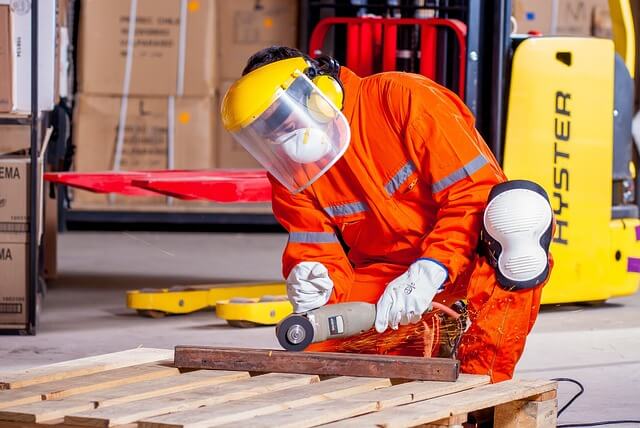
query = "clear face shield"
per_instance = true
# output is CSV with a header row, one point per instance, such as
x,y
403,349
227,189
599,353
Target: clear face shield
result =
x,y
299,136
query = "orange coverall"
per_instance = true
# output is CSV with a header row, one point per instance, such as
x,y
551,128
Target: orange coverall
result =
x,y
413,184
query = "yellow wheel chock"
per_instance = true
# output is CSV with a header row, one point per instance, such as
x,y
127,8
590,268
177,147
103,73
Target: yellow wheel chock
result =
x,y
157,303
245,312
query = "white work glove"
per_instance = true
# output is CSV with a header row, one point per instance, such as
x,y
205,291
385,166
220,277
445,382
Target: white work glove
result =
x,y
408,296
308,286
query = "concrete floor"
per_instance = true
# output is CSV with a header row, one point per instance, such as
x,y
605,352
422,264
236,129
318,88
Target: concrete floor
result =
x,y
84,314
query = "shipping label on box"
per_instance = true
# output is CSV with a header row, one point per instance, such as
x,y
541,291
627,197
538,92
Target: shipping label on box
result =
x,y
14,192
246,28
14,199
6,100
13,283
168,55
159,133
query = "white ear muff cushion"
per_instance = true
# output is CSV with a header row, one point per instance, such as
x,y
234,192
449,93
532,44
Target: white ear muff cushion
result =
x,y
517,219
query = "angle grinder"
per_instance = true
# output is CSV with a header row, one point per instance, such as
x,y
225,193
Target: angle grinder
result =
x,y
337,321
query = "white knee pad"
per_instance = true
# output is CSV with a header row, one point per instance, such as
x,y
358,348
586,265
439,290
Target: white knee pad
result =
x,y
517,232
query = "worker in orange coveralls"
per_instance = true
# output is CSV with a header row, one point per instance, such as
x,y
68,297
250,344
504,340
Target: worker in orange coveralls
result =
x,y
385,186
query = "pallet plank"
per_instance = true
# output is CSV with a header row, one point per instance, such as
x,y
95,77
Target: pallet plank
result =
x,y
268,403
347,407
320,363
420,390
423,412
47,410
53,424
310,416
82,366
82,384
138,410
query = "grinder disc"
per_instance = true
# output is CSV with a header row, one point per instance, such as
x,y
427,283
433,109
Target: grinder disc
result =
x,y
295,333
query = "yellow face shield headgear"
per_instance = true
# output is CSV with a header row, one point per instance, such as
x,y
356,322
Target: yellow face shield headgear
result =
x,y
287,115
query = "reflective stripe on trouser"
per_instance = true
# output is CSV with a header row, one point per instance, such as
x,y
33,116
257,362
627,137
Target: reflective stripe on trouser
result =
x,y
492,346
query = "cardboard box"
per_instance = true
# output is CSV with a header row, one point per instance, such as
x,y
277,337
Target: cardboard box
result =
x,y
13,283
151,124
574,17
561,17
160,64
6,100
246,26
533,15
602,24
230,154
14,138
14,199
21,53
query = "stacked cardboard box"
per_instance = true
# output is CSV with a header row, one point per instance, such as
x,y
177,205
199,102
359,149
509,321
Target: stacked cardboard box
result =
x,y
244,28
563,17
152,75
147,80
14,224
13,240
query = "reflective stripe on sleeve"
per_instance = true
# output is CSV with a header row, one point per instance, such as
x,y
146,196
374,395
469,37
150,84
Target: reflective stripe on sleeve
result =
x,y
457,175
346,209
401,176
313,237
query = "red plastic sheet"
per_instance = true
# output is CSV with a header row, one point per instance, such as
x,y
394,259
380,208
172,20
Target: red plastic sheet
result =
x,y
224,186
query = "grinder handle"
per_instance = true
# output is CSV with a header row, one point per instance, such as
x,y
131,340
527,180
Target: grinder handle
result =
x,y
341,320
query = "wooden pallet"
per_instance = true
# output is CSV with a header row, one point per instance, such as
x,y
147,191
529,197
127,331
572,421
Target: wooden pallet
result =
x,y
141,388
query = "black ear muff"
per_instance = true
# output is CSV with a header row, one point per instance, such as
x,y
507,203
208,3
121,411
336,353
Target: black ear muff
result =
x,y
323,72
328,65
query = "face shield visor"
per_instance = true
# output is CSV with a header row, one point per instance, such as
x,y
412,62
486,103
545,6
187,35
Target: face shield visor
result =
x,y
299,136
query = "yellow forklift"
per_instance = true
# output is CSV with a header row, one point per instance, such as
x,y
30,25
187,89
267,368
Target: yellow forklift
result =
x,y
568,127
554,110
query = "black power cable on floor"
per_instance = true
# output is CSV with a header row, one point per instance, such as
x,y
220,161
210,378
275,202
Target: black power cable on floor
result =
x,y
595,424
590,424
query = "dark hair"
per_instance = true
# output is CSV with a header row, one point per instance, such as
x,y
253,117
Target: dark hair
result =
x,y
272,54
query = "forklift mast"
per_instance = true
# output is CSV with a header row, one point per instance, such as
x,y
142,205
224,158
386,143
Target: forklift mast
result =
x,y
488,44
489,47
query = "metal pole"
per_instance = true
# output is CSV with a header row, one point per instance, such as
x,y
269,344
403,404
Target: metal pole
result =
x,y
501,37
473,56
33,272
